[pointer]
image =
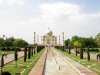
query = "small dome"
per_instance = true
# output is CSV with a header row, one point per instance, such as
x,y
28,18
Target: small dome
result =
x,y
48,32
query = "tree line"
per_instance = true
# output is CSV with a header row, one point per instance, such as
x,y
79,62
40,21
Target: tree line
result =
x,y
83,41
12,42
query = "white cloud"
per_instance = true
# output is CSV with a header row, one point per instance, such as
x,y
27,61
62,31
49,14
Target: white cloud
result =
x,y
58,9
1,1
62,13
68,18
11,2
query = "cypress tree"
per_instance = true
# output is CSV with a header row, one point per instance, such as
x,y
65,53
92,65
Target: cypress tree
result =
x,y
81,53
69,50
76,51
88,54
25,54
16,56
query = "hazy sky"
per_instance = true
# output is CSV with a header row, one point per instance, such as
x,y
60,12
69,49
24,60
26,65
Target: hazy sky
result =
x,y
21,18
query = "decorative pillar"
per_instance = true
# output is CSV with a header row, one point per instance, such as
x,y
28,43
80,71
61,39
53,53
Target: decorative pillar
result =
x,y
56,39
59,39
34,37
63,38
37,39
41,40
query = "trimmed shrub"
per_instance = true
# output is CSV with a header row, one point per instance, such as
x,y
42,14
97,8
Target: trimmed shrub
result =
x,y
94,50
3,48
18,49
12,49
8,48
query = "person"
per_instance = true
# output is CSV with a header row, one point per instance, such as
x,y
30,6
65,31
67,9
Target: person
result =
x,y
97,55
6,73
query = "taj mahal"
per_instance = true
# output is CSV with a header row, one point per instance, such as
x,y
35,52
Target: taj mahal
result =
x,y
49,39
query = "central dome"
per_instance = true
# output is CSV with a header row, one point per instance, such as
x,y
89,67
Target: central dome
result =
x,y
48,32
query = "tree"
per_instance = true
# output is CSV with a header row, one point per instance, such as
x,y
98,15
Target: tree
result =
x,y
1,41
88,42
11,39
97,37
2,63
69,49
25,54
67,42
16,56
88,54
8,43
77,44
74,38
20,43
81,53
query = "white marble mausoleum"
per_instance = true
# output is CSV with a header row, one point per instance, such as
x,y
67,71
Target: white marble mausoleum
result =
x,y
48,38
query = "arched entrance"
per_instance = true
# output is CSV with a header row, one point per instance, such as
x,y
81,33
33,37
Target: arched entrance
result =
x,y
48,41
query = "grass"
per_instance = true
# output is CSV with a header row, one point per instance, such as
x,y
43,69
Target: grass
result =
x,y
21,65
93,53
8,52
92,64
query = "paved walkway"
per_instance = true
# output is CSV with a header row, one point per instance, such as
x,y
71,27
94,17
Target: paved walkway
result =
x,y
79,68
55,65
75,65
92,56
10,57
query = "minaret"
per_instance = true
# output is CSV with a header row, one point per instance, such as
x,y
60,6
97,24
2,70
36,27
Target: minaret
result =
x,y
63,38
59,39
37,39
34,37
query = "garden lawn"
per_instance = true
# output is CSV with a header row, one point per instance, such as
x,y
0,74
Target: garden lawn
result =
x,y
93,53
92,64
24,67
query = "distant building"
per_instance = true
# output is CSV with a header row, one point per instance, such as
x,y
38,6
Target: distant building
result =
x,y
48,38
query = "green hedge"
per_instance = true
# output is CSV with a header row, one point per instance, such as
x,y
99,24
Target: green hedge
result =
x,y
91,50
